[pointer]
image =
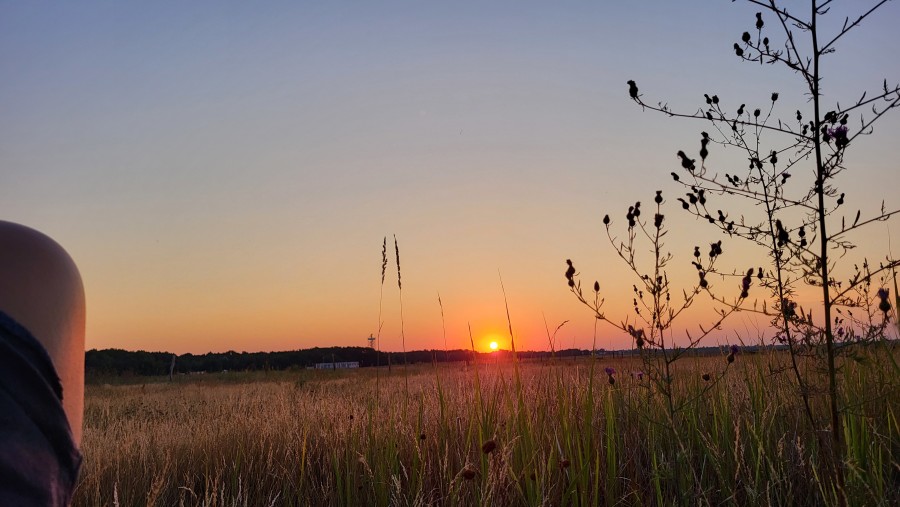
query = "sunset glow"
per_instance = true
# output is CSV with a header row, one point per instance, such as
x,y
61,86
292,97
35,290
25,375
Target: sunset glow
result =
x,y
493,345
224,176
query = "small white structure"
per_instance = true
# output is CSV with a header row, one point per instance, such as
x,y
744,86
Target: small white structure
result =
x,y
337,366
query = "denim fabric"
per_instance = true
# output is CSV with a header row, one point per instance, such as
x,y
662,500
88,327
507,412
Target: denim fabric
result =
x,y
38,459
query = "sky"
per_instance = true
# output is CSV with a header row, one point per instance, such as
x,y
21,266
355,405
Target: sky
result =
x,y
224,173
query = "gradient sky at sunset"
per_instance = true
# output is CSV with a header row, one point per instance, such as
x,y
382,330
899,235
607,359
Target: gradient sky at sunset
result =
x,y
223,173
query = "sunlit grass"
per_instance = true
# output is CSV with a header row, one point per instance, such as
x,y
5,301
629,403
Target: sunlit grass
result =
x,y
558,433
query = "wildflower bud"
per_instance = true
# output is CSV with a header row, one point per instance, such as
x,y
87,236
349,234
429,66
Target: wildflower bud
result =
x,y
782,234
759,21
745,37
658,199
774,157
564,464
840,200
606,220
774,96
706,377
468,473
799,116
766,42
488,447
674,176
715,99
737,50
788,308
756,113
632,89
657,220
709,100
885,305
596,286
730,358
570,272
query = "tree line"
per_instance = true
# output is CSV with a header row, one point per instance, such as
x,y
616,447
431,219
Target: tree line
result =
x,y
124,362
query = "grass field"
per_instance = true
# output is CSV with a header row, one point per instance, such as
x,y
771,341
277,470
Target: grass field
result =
x,y
543,433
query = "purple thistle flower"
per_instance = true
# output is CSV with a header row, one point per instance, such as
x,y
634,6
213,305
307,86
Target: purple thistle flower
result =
x,y
610,371
838,132
735,349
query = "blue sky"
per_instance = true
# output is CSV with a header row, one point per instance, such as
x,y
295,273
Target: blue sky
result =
x,y
223,173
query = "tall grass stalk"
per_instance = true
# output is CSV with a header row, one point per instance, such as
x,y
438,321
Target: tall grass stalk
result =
x,y
402,332
384,262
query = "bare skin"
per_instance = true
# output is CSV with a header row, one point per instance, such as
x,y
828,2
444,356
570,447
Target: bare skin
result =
x,y
40,287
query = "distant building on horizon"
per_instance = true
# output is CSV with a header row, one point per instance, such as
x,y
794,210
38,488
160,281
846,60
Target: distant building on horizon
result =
x,y
337,366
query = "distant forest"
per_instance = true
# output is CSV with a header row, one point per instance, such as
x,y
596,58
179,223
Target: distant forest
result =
x,y
122,362
117,362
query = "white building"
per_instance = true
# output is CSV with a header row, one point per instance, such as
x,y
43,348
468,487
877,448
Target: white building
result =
x,y
337,366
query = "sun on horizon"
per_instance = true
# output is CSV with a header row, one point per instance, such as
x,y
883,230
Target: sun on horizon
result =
x,y
493,345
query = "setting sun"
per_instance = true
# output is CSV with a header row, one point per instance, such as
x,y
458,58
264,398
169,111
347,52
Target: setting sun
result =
x,y
493,345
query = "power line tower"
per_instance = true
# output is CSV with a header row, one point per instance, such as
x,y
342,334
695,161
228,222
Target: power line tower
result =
x,y
371,339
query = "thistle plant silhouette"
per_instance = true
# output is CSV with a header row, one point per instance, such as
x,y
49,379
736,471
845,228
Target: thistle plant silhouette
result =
x,y
785,201
655,311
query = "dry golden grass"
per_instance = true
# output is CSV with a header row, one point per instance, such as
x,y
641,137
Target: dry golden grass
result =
x,y
347,438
